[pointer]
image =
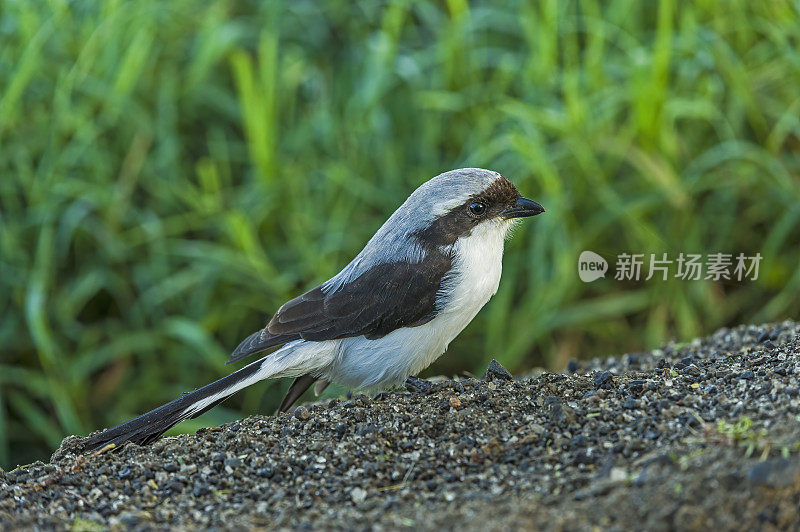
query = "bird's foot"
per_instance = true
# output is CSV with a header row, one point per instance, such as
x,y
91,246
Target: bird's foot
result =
x,y
415,385
423,386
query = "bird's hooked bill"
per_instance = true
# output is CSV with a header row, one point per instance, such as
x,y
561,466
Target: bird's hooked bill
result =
x,y
523,208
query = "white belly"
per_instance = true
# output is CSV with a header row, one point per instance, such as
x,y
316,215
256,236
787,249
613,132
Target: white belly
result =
x,y
387,361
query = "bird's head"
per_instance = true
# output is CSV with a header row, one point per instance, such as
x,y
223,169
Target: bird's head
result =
x,y
468,205
455,203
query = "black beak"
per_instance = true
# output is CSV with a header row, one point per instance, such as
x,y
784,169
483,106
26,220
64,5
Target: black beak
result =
x,y
523,208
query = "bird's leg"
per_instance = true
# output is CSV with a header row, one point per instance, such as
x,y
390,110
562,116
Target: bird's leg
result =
x,y
380,396
415,385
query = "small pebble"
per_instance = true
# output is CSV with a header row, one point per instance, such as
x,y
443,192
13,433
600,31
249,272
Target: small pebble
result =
x,y
603,379
358,495
495,370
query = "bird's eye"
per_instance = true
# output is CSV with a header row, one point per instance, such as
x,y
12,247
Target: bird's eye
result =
x,y
477,208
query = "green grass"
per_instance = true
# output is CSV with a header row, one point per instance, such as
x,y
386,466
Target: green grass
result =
x,y
171,172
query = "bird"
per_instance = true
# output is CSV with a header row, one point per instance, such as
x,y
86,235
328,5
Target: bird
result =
x,y
389,314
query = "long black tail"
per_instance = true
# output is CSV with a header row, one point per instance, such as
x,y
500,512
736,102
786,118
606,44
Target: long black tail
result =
x,y
150,426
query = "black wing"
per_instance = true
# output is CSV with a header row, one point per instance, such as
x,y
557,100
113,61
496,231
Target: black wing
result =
x,y
384,298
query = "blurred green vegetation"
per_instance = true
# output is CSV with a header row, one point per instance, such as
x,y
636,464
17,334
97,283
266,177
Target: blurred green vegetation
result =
x,y
171,172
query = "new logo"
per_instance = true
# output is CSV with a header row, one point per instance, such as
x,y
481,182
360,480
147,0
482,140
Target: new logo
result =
x,y
591,266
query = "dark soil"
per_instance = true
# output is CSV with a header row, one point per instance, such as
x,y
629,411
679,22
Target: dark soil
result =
x,y
692,436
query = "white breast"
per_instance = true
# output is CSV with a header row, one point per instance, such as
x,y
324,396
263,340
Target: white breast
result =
x,y
476,271
473,281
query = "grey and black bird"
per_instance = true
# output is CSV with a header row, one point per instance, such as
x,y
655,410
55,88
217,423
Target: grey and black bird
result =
x,y
387,315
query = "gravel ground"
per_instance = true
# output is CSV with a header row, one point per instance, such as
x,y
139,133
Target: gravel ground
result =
x,y
691,436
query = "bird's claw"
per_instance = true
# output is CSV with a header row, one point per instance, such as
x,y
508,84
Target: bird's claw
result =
x,y
423,386
415,385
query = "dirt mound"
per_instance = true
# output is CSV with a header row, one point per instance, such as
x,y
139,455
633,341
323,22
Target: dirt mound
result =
x,y
692,436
